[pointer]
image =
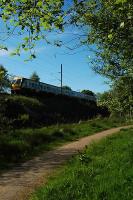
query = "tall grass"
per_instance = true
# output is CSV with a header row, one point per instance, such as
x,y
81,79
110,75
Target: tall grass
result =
x,y
103,171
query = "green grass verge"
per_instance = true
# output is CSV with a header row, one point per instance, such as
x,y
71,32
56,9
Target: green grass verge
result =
x,y
104,171
20,145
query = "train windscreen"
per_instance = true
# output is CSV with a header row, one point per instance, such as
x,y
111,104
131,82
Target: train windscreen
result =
x,y
16,81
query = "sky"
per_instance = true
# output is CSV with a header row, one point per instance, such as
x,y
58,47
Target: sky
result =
x,y
77,67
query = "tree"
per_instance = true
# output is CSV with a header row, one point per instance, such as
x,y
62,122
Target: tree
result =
x,y
123,91
88,92
31,18
4,79
103,99
119,100
35,77
65,87
111,29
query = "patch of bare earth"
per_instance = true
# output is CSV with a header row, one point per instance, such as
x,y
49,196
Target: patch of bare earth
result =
x,y
18,183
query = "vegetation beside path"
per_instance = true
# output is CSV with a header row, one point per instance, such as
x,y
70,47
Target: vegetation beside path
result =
x,y
22,144
102,171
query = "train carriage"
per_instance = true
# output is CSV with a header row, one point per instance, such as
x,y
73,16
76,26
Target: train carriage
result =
x,y
22,85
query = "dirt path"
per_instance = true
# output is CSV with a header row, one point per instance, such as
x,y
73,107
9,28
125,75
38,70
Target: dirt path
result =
x,y
18,183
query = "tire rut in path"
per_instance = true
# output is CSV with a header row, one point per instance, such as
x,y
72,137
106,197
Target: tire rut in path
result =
x,y
19,182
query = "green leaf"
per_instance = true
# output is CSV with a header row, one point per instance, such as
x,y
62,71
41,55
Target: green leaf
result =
x,y
110,36
120,1
122,24
39,3
3,48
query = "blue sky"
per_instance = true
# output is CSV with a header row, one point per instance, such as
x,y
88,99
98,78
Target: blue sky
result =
x,y
77,72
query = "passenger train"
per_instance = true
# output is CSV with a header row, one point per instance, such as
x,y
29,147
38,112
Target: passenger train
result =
x,y
22,85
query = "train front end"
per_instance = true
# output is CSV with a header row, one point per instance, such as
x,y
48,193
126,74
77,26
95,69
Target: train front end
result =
x,y
16,85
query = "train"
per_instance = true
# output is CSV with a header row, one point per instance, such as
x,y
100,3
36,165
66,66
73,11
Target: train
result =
x,y
21,85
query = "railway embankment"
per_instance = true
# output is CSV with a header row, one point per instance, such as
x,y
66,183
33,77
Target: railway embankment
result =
x,y
21,111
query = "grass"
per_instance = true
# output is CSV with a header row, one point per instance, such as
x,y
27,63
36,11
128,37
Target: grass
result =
x,y
28,101
104,171
21,145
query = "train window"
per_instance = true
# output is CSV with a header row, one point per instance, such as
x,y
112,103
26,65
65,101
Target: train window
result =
x,y
17,81
13,82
